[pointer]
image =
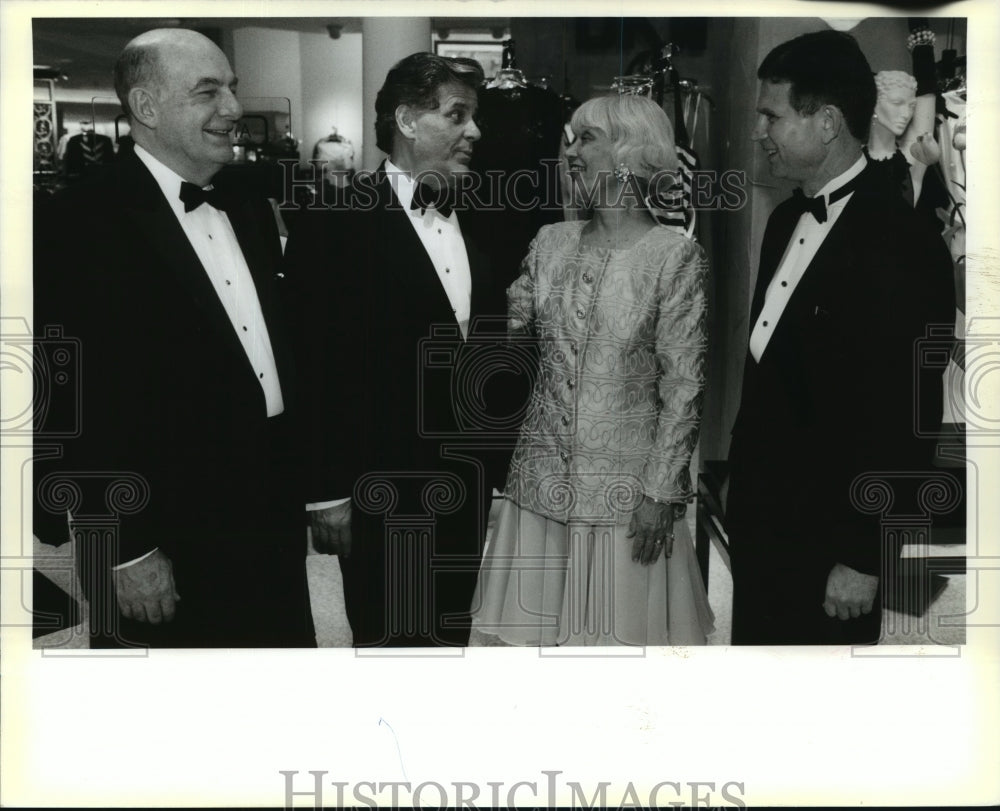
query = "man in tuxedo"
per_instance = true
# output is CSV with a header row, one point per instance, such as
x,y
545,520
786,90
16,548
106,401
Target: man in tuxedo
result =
x,y
181,484
397,343
849,282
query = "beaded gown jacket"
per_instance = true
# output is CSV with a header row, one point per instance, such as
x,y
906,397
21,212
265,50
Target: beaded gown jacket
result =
x,y
615,410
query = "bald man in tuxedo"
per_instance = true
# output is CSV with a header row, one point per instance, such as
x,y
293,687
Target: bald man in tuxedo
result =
x,y
187,391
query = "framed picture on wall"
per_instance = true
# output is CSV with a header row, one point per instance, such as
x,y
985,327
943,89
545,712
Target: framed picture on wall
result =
x,y
487,54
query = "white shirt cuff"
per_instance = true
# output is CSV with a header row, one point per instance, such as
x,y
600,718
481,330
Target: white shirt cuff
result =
x,y
125,565
322,505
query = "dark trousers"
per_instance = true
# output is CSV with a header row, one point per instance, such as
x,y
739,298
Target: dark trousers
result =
x,y
409,582
239,566
779,585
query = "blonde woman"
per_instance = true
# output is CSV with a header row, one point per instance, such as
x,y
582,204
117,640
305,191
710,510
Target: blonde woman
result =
x,y
590,547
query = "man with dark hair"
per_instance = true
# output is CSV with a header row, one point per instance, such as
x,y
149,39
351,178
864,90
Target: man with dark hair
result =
x,y
848,283
414,82
826,67
185,453
394,293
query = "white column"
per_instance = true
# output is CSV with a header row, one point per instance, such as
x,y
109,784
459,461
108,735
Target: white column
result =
x,y
385,40
269,66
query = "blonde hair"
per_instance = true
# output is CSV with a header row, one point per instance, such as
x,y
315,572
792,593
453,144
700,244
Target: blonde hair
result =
x,y
641,132
886,80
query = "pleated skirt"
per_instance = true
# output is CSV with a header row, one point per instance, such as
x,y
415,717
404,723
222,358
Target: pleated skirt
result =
x,y
543,582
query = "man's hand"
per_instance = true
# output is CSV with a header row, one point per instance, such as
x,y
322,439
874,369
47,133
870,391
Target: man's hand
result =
x,y
849,593
146,590
331,530
652,529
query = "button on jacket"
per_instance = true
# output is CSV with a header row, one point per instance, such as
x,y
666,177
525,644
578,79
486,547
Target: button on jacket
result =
x,y
615,410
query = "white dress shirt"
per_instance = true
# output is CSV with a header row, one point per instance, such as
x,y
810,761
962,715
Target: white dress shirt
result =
x,y
214,241
442,239
806,240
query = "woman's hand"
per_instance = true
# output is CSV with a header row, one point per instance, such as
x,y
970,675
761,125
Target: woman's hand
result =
x,y
652,530
925,149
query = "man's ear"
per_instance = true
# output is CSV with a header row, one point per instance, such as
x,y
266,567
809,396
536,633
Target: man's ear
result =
x,y
406,121
142,103
831,121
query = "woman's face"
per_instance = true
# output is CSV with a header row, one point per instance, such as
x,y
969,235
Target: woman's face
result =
x,y
895,109
591,166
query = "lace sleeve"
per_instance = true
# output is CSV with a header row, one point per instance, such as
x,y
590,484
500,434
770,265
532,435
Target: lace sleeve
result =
x,y
680,349
521,294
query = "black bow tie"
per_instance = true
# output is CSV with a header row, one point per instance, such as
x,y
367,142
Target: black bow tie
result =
x,y
816,205
193,196
441,199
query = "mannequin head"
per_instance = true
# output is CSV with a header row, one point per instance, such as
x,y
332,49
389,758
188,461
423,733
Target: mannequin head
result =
x,y
897,92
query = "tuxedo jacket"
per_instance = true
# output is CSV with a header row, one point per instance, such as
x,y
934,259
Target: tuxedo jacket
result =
x,y
163,396
392,386
838,390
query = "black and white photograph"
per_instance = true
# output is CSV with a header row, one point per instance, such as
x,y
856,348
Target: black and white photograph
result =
x,y
400,409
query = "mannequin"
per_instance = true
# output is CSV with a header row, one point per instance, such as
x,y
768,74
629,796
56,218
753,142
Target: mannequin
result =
x,y
903,123
338,154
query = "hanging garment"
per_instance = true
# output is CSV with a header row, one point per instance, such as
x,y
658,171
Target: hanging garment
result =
x,y
86,151
516,160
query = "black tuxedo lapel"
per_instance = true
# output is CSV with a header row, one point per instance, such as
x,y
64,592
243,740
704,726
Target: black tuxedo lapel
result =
x,y
835,251
168,247
483,299
776,236
773,247
835,256
411,265
256,240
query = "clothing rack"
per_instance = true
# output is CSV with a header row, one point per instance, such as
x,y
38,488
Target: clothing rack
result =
x,y
509,77
657,67
691,87
654,71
